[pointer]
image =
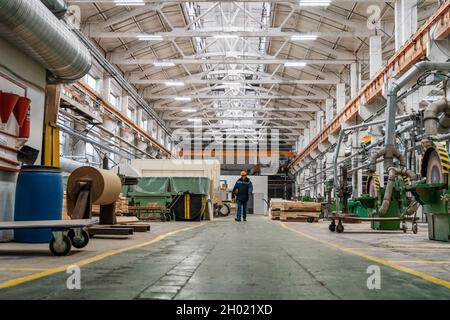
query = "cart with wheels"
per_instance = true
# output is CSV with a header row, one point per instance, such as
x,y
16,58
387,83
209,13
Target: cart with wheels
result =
x,y
339,226
66,233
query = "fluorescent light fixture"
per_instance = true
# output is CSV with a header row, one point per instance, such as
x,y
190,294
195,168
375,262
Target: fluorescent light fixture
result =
x,y
303,37
315,3
232,84
226,36
174,83
195,120
188,110
295,64
182,98
129,2
163,64
150,37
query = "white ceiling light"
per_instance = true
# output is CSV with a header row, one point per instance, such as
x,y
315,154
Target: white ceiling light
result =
x,y
129,2
174,83
182,98
303,37
315,3
226,36
295,64
150,37
163,64
195,120
188,110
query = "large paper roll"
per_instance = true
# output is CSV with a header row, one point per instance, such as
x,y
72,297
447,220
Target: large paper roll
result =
x,y
106,185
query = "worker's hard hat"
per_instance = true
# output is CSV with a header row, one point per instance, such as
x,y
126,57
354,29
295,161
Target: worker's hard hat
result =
x,y
243,173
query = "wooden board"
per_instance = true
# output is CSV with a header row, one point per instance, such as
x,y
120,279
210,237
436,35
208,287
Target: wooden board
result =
x,y
297,214
295,205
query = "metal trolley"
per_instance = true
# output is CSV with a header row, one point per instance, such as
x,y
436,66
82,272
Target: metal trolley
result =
x,y
66,233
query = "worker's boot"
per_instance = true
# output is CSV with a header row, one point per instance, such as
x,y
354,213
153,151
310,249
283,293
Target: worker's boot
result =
x,y
236,219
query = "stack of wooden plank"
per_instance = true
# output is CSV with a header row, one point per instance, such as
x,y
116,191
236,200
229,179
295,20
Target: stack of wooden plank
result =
x,y
275,208
121,207
295,210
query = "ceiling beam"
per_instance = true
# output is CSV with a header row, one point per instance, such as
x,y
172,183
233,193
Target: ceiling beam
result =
x,y
238,82
237,97
93,32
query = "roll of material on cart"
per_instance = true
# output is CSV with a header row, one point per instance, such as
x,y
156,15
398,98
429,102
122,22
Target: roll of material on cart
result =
x,y
106,185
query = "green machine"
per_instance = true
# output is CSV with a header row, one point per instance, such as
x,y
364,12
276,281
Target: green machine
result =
x,y
433,191
180,198
397,206
356,208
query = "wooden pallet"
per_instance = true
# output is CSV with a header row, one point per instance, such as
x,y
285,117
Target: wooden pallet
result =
x,y
299,216
298,219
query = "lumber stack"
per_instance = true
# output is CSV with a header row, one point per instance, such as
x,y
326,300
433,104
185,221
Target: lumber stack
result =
x,y
295,210
121,207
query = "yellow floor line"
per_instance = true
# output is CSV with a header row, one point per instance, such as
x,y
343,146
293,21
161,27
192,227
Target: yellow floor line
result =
x,y
387,263
48,272
423,261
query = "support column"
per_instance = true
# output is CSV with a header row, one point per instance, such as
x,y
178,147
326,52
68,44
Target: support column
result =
x,y
319,120
405,21
124,104
106,87
139,117
312,129
340,96
306,137
328,110
354,79
375,55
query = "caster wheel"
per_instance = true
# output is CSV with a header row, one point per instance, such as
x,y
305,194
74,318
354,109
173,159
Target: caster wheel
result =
x,y
340,228
415,228
404,228
168,217
79,242
332,227
60,249
163,218
310,220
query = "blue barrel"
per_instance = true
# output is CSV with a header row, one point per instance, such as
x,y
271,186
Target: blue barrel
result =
x,y
39,196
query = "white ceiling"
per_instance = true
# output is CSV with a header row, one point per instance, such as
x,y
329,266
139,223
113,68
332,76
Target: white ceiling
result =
x,y
241,82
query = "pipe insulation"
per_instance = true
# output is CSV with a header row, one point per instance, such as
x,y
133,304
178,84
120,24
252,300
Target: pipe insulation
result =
x,y
30,26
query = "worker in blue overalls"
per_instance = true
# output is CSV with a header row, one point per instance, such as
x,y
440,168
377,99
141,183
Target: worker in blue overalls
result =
x,y
241,192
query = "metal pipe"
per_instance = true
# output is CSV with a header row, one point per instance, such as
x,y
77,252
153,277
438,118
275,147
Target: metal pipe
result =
x,y
394,88
31,27
68,165
431,117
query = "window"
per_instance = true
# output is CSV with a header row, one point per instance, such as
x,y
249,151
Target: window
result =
x,y
114,100
91,81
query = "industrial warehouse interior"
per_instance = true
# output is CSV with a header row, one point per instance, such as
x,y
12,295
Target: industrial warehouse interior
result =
x,y
224,150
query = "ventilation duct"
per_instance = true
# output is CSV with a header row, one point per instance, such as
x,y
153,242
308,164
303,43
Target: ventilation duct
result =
x,y
30,26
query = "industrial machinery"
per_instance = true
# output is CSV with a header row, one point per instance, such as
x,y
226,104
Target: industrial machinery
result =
x,y
433,191
169,198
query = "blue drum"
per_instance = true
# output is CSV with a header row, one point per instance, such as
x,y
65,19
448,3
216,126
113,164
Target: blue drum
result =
x,y
39,196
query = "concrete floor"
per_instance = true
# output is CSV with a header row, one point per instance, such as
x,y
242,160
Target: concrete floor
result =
x,y
259,259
